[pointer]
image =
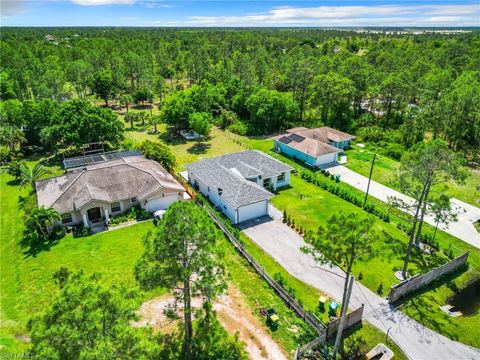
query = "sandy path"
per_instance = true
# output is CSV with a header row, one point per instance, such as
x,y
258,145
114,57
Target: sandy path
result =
x,y
233,314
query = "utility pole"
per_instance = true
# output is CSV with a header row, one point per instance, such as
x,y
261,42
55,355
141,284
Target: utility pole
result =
x,y
342,319
370,178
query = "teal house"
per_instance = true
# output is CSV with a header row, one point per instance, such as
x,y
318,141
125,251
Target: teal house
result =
x,y
315,147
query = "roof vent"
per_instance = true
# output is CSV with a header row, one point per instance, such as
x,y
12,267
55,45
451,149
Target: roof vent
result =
x,y
220,191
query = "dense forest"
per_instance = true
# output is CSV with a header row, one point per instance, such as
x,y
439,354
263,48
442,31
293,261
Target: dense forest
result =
x,y
395,89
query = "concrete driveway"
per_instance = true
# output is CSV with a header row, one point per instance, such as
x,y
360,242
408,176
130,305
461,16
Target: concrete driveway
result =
x,y
417,341
467,214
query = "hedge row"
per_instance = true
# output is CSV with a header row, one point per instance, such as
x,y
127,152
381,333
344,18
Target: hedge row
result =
x,y
326,183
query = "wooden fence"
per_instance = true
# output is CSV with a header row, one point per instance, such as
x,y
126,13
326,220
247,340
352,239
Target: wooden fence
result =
x,y
187,186
310,318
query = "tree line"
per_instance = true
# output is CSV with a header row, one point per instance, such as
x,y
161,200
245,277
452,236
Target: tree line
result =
x,y
261,81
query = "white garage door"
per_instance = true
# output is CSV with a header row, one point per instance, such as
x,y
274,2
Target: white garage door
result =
x,y
161,203
252,211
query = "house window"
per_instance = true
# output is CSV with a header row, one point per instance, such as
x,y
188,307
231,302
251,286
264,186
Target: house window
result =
x,y
281,177
116,207
133,200
66,218
266,183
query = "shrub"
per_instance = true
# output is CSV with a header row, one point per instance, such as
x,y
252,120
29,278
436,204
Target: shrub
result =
x,y
278,277
160,153
238,128
57,232
14,168
380,289
393,150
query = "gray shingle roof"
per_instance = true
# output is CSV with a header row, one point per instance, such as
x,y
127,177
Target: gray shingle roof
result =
x,y
109,181
229,172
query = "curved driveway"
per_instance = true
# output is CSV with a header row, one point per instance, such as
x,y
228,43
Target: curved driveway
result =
x,y
417,341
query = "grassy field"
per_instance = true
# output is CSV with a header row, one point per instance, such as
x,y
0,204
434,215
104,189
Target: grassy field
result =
x,y
187,151
360,159
26,283
27,286
318,205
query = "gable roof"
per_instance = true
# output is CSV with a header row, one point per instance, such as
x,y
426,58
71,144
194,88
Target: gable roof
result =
x,y
230,173
109,181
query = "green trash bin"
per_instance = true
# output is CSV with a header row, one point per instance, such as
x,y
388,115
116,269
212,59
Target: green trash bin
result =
x,y
332,308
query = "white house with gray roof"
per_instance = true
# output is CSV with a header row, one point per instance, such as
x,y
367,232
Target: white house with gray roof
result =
x,y
238,183
92,194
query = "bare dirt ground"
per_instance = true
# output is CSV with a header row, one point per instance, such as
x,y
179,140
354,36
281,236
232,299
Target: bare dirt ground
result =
x,y
233,314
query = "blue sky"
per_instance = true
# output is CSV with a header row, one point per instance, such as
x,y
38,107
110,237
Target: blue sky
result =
x,y
239,13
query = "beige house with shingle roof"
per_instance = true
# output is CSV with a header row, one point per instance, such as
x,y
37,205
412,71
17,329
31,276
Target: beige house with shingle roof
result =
x,y
94,193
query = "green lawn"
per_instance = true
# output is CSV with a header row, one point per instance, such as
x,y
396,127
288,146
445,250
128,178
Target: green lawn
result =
x,y
314,210
27,286
187,151
318,205
360,159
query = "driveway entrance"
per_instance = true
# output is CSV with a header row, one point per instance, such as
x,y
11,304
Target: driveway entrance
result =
x,y
418,342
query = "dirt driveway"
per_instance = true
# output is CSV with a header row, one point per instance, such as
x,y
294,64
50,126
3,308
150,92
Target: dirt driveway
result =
x,y
233,314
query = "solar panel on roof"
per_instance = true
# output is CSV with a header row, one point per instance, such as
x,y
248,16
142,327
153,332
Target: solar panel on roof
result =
x,y
285,140
91,159
297,138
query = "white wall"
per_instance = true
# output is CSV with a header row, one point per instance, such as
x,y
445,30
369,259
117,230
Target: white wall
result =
x,y
213,196
326,159
252,211
161,202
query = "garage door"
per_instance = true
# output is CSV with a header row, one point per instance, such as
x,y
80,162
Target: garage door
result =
x,y
161,203
252,211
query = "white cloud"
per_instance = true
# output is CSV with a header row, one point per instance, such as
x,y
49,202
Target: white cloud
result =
x,y
383,15
11,7
154,4
103,2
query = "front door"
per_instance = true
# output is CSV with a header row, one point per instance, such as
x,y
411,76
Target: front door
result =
x,y
94,214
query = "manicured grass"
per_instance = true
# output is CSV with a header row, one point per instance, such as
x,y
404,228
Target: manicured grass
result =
x,y
27,285
360,159
187,151
318,205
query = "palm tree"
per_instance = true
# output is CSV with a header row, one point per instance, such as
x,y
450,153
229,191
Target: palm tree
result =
x,y
43,218
11,136
31,176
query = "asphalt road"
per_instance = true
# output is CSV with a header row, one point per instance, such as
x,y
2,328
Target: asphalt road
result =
x,y
467,214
